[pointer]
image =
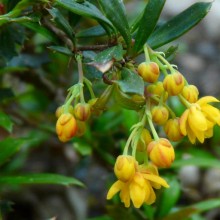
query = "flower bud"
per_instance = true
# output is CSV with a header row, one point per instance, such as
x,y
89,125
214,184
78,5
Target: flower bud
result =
x,y
60,110
190,93
149,71
81,128
172,129
157,89
160,114
161,153
145,139
125,167
66,127
82,111
174,83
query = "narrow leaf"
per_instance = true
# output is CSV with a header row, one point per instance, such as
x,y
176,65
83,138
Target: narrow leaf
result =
x,y
61,21
85,9
41,178
8,147
179,25
96,31
5,122
62,50
115,12
148,22
130,82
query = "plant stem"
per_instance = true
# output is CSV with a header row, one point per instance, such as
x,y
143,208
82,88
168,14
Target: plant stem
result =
x,y
184,101
80,70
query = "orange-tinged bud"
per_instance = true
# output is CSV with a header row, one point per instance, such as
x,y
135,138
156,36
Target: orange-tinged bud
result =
x,y
60,110
172,129
149,71
161,152
81,128
82,111
66,127
190,93
174,83
125,167
145,139
157,89
160,114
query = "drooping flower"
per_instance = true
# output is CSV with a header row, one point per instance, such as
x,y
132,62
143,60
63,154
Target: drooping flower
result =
x,y
198,120
139,189
172,129
66,127
161,152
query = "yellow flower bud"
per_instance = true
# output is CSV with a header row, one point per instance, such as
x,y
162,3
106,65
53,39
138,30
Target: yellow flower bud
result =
x,y
172,129
145,139
161,152
66,127
125,167
82,111
160,114
149,71
60,110
174,83
190,93
157,89
81,128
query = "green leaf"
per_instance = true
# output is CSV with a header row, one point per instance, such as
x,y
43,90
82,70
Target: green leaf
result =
x,y
8,147
61,21
168,198
96,31
148,22
82,147
130,82
6,93
113,53
203,162
183,213
41,178
63,50
85,9
41,30
179,25
115,12
5,122
170,53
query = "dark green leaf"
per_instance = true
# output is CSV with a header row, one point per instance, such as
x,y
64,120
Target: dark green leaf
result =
x,y
41,178
61,21
5,122
8,147
96,31
113,53
5,93
179,25
41,30
115,12
197,161
85,9
148,22
168,198
63,50
131,82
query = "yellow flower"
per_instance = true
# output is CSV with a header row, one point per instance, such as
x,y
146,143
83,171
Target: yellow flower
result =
x,y
149,71
161,152
157,90
125,167
198,121
160,114
172,129
66,127
174,83
190,93
82,111
139,189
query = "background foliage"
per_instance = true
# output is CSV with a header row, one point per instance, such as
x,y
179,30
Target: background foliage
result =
x,y
38,42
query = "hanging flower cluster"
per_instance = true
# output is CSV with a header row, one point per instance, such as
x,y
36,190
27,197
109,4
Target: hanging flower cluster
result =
x,y
138,180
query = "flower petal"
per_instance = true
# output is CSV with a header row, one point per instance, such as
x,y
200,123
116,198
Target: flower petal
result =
x,y
152,197
183,121
156,179
206,99
212,113
191,135
125,195
115,188
137,194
